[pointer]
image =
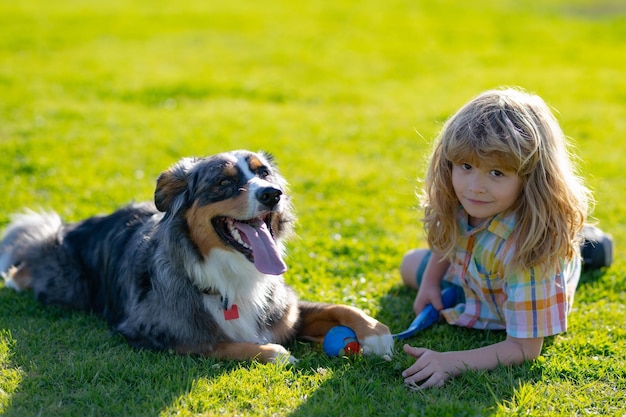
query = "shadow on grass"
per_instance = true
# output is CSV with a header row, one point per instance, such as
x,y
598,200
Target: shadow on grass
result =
x,y
69,363
63,359
66,363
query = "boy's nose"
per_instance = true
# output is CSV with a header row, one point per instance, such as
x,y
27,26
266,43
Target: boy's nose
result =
x,y
477,186
478,190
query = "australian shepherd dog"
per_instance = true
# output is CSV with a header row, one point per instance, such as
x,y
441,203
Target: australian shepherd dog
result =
x,y
200,271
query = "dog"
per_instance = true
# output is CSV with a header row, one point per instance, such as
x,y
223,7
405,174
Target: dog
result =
x,y
199,271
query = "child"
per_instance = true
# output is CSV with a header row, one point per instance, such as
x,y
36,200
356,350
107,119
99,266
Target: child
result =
x,y
503,210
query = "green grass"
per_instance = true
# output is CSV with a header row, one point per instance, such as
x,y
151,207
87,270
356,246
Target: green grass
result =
x,y
97,98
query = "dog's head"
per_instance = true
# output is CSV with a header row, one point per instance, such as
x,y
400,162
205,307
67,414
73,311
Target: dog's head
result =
x,y
234,201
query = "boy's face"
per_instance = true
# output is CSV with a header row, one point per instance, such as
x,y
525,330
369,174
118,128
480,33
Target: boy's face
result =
x,y
484,190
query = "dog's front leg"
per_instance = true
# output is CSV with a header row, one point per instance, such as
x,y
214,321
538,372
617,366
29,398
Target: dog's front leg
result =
x,y
317,318
241,351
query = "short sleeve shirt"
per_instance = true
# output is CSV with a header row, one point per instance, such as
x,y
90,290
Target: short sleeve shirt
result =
x,y
526,302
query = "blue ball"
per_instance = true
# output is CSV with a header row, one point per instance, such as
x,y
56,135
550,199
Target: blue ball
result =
x,y
340,341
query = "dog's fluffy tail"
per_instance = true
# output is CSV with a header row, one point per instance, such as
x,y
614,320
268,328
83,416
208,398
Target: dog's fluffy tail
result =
x,y
26,232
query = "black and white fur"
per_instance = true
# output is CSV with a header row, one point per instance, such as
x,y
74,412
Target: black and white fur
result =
x,y
164,274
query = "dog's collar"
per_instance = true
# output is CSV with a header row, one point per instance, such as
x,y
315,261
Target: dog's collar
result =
x,y
223,300
231,311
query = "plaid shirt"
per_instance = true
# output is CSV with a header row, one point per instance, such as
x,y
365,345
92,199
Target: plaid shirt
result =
x,y
527,303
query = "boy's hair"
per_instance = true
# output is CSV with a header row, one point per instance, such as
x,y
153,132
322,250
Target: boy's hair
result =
x,y
518,131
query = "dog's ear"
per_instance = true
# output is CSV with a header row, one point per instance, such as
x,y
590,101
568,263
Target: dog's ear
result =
x,y
172,183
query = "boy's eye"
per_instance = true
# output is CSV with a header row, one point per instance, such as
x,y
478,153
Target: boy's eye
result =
x,y
466,167
497,173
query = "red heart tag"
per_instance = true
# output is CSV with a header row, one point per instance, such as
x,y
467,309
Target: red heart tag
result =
x,y
232,313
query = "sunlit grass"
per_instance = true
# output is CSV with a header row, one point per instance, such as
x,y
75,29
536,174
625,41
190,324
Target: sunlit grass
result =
x,y
97,98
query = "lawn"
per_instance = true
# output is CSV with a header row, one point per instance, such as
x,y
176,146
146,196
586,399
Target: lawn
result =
x,y
97,98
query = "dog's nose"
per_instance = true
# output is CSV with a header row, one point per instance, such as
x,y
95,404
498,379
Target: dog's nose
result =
x,y
269,196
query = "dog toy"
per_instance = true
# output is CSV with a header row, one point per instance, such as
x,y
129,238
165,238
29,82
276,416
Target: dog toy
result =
x,y
340,341
429,315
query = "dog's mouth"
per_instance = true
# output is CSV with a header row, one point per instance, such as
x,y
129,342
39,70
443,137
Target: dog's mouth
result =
x,y
254,239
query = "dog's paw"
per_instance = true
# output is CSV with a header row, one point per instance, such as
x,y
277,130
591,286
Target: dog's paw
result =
x,y
278,354
374,337
378,344
285,359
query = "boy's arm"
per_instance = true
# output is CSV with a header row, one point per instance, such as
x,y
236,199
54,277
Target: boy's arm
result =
x,y
430,288
511,351
434,368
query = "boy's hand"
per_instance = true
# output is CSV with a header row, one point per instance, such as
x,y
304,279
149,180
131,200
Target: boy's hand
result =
x,y
431,369
430,288
428,295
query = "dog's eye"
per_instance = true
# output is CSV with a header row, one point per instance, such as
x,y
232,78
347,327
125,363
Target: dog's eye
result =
x,y
225,182
263,172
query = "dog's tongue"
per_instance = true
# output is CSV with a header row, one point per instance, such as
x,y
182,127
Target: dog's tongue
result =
x,y
266,257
